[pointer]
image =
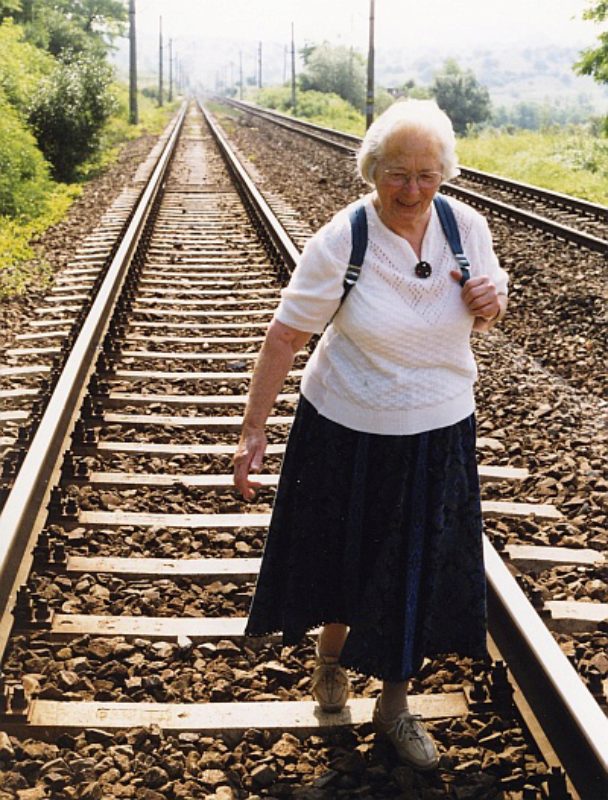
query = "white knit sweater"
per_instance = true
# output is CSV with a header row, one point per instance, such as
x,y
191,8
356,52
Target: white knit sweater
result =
x,y
396,358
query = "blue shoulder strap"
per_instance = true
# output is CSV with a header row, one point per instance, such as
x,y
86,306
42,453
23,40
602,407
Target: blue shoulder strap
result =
x,y
358,226
452,234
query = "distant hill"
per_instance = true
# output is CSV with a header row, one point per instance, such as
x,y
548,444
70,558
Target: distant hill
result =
x,y
511,75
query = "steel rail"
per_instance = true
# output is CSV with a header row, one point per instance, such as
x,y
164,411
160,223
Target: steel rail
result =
x,y
309,129
571,718
559,199
25,509
282,250
505,210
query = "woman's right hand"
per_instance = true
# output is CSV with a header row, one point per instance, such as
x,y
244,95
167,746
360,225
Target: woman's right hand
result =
x,y
248,458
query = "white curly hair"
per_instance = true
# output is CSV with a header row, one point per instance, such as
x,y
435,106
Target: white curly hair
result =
x,y
421,116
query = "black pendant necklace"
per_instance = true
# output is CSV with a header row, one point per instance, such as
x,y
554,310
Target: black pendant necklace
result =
x,y
423,269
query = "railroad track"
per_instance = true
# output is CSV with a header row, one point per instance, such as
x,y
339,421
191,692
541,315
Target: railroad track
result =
x,y
123,542
568,218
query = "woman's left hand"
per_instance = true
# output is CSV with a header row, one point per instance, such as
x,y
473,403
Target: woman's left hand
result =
x,y
480,296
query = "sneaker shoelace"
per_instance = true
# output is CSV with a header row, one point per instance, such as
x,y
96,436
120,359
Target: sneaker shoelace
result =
x,y
408,727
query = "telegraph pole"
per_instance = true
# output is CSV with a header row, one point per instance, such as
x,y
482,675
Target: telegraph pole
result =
x,y
133,115
369,105
284,64
160,61
240,74
170,70
293,71
260,66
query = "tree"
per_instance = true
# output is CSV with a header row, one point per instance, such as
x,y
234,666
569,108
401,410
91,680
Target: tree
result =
x,y
68,27
594,60
22,66
9,8
339,69
461,96
69,111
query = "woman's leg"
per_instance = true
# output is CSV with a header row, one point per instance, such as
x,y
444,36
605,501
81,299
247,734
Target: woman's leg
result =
x,y
331,639
413,744
393,699
330,685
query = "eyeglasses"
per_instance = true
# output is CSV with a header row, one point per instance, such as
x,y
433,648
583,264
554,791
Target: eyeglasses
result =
x,y
427,179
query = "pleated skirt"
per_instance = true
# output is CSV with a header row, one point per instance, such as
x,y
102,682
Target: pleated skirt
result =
x,y
381,533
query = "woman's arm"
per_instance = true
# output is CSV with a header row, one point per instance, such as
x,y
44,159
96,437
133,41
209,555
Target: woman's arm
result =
x,y
274,362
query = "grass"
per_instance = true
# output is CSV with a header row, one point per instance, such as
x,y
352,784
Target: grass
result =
x,y
568,160
572,160
321,108
19,264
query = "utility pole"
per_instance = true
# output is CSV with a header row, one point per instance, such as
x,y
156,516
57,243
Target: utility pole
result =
x,y
133,115
260,66
369,105
293,71
160,61
284,64
240,74
170,70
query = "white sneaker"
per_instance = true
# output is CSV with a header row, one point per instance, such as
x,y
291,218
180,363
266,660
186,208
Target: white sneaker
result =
x,y
412,742
330,685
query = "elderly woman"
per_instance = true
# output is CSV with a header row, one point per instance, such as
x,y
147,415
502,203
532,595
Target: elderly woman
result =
x,y
376,528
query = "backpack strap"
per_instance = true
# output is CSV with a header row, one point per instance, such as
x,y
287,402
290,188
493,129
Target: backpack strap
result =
x,y
452,234
358,227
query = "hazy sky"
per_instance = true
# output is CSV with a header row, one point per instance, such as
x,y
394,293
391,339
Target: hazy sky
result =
x,y
398,22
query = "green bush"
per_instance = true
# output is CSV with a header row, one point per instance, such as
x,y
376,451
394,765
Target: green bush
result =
x,y
117,130
22,66
24,174
320,107
69,111
19,266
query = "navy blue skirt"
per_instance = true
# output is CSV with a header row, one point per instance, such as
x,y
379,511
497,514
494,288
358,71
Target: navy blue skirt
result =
x,y
381,533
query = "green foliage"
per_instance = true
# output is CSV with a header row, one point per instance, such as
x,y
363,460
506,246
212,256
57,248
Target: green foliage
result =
x,y
461,96
58,34
411,89
537,116
9,7
594,60
24,174
338,70
382,100
319,107
65,27
152,120
22,66
18,263
573,161
68,113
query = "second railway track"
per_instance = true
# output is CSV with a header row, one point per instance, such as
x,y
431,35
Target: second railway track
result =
x,y
569,218
132,617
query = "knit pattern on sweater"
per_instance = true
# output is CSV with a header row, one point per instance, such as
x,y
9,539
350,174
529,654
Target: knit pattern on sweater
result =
x,y
396,357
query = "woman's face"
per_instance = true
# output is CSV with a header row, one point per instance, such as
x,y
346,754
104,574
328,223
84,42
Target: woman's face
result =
x,y
405,208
